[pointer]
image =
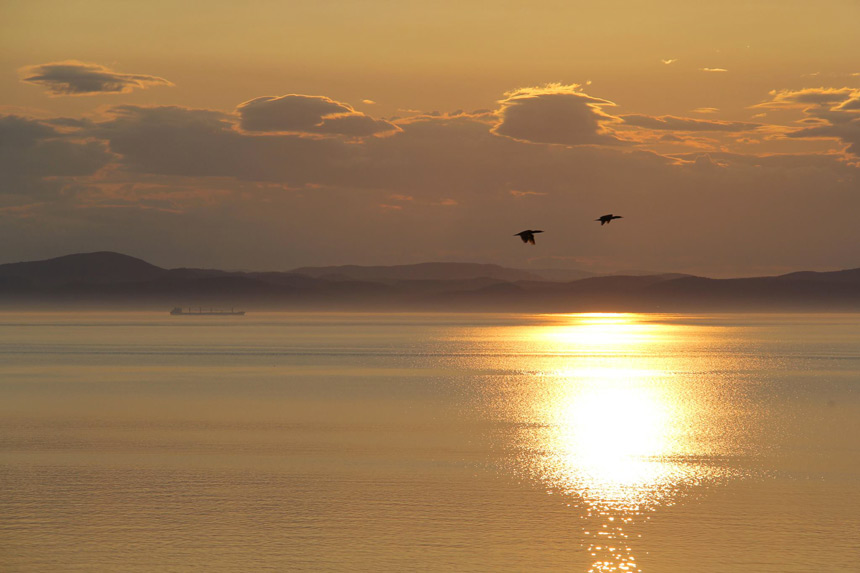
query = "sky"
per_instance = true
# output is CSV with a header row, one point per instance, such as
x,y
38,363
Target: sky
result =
x,y
269,135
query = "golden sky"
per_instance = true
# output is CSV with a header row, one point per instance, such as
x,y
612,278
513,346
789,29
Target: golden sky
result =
x,y
275,134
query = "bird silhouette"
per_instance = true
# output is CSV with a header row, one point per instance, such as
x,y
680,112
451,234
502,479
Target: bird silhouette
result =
x,y
527,236
608,218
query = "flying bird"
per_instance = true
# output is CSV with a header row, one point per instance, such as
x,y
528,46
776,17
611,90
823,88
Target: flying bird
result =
x,y
527,236
608,218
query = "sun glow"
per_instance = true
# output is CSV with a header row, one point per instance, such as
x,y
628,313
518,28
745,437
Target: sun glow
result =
x,y
602,332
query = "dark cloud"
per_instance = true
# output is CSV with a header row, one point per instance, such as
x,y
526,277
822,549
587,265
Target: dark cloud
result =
x,y
31,151
672,123
171,140
295,113
287,113
852,104
16,131
355,125
72,122
846,129
555,114
81,78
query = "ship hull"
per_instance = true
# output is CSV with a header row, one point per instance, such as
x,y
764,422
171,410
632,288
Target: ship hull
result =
x,y
208,313
179,312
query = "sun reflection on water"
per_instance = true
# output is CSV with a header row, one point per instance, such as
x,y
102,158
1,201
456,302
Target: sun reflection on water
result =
x,y
610,436
609,423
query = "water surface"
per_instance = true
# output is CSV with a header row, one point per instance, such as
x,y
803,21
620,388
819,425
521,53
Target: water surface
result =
x,y
310,442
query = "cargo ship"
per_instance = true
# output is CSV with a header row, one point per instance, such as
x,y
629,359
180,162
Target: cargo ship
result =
x,y
178,311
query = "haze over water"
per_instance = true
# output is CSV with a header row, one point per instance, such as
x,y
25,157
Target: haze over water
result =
x,y
314,442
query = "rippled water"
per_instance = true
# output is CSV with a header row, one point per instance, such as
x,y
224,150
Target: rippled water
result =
x,y
140,442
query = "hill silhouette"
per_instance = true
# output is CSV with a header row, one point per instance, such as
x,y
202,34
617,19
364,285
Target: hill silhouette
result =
x,y
103,267
114,280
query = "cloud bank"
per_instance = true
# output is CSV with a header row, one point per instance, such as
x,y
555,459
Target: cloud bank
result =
x,y
284,181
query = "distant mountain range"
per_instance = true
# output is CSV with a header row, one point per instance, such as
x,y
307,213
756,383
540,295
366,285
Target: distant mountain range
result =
x,y
114,280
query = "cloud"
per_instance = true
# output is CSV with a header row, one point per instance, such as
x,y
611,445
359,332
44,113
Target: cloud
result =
x,y
852,104
31,151
706,110
354,125
831,111
556,114
82,78
669,122
171,140
287,113
669,61
295,113
517,193
713,69
809,96
846,129
16,131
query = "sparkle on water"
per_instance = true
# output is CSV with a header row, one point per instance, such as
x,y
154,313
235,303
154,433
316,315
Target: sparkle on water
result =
x,y
611,425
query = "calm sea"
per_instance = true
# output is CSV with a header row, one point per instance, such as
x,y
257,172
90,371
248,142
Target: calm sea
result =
x,y
413,442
